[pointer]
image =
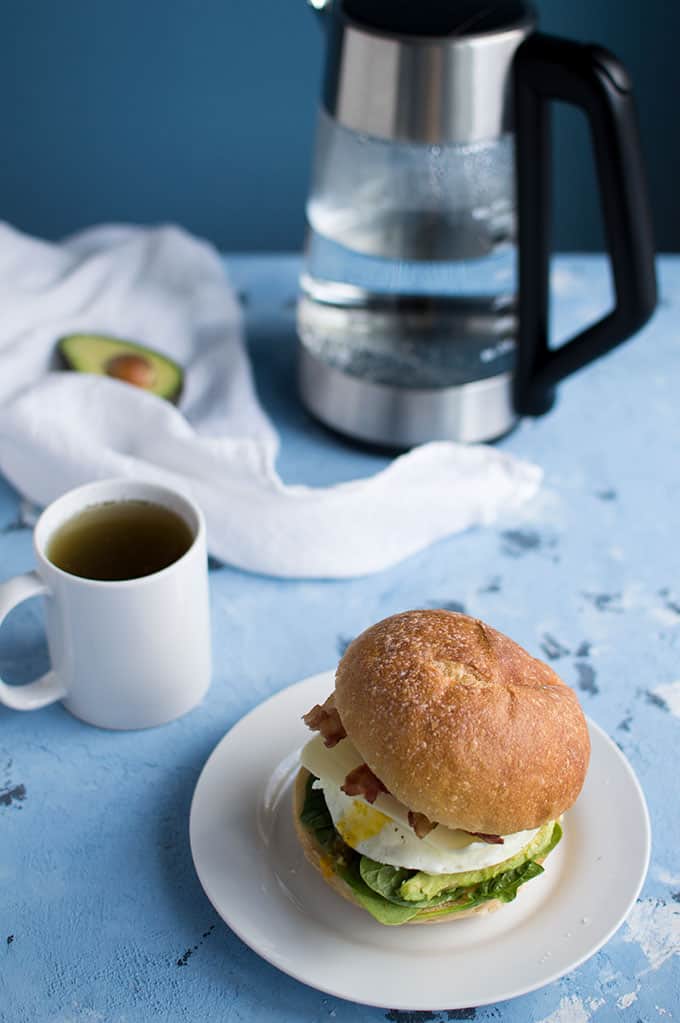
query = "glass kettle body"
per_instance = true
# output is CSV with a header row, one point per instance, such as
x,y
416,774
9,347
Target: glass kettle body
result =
x,y
423,309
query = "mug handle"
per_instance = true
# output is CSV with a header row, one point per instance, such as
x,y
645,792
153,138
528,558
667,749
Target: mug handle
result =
x,y
548,69
44,690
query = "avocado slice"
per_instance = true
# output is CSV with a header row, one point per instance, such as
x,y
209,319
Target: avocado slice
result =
x,y
124,360
424,886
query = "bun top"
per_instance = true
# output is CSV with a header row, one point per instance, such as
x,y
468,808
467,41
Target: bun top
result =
x,y
461,724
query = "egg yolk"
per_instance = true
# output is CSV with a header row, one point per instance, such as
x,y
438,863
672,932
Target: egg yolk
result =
x,y
360,823
326,867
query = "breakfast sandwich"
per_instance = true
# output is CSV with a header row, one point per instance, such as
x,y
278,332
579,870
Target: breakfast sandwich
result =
x,y
441,768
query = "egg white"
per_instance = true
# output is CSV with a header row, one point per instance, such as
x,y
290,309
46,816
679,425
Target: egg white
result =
x,y
400,848
386,835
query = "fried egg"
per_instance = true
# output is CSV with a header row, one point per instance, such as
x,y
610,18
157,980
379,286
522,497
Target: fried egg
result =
x,y
381,830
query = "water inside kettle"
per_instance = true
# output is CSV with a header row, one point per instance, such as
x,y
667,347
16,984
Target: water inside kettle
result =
x,y
410,273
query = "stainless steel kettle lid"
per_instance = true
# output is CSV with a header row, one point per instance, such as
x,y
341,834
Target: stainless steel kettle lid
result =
x,y
455,18
423,72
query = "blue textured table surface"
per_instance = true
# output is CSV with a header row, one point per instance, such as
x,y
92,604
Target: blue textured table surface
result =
x,y
101,915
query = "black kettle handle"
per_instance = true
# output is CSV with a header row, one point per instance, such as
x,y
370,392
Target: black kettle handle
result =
x,y
545,69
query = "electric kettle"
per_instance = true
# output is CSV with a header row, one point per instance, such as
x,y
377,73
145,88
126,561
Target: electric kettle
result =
x,y
423,311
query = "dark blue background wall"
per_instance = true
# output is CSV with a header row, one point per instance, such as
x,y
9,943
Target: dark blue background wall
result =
x,y
202,112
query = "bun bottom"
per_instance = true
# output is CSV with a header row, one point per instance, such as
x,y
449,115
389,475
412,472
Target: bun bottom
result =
x,y
318,859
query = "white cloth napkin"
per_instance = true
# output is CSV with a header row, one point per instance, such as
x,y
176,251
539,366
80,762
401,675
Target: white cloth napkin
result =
x,y
168,290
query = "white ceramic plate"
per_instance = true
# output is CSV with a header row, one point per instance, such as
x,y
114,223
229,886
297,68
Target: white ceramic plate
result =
x,y
253,871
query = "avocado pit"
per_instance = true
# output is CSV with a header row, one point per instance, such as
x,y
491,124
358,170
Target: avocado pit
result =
x,y
133,369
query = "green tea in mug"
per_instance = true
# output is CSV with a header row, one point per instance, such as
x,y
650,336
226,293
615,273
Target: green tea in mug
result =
x,y
120,540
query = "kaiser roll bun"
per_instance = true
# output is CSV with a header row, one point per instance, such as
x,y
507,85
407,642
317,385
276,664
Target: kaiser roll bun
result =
x,y
461,724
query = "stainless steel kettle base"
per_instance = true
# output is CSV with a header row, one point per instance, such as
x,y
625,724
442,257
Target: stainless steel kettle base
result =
x,y
400,416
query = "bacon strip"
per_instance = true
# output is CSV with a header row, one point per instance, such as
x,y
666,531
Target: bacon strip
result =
x,y
325,719
362,782
489,839
421,824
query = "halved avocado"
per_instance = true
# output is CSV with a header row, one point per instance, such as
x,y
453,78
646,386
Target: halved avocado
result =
x,y
135,364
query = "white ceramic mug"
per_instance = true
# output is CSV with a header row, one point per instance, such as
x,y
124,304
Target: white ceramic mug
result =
x,y
124,654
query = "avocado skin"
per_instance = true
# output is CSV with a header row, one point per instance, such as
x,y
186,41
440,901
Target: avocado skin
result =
x,y
91,353
424,886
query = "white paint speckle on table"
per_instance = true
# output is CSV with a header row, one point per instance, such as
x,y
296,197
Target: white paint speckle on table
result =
x,y
625,1001
572,1009
655,927
664,616
666,877
670,694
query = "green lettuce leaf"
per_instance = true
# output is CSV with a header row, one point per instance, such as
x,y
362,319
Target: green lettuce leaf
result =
x,y
382,878
387,881
381,909
505,886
